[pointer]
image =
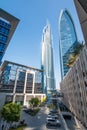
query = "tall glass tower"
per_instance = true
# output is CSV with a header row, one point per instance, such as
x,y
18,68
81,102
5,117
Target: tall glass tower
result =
x,y
47,59
67,40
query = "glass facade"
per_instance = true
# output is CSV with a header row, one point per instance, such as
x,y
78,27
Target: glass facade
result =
x,y
29,82
8,24
20,81
38,82
4,32
17,78
68,40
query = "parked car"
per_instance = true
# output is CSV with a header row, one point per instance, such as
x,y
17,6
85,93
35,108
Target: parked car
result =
x,y
53,116
54,111
29,111
52,121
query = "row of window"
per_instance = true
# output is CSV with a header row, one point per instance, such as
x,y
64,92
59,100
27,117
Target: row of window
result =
x,y
4,31
2,47
3,38
4,24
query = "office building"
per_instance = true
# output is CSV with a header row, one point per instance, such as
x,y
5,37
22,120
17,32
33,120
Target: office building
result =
x,y
8,24
19,83
67,40
74,88
81,7
47,59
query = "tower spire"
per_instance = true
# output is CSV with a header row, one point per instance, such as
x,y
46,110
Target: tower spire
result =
x,y
47,22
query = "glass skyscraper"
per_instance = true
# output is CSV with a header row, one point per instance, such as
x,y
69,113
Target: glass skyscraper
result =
x,y
47,59
8,25
67,39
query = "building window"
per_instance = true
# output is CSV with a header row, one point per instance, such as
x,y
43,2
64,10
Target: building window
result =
x,y
29,83
83,74
83,113
20,82
79,111
81,103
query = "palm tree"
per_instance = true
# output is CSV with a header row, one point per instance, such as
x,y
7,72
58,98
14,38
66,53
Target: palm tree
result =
x,y
74,55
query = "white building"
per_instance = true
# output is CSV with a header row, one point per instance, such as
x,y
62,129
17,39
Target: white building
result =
x,y
47,59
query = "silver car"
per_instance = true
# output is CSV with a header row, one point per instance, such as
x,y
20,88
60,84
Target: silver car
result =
x,y
53,116
52,121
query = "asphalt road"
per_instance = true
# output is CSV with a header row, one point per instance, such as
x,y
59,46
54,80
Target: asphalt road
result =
x,y
38,122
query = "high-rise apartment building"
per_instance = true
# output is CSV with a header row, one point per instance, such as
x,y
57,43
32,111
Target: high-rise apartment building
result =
x,y
8,24
47,59
81,7
67,39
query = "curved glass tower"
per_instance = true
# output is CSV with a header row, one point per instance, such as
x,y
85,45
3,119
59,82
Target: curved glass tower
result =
x,y
47,59
67,39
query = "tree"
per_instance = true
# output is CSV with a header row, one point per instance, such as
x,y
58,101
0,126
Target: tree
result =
x,y
74,55
44,99
11,112
72,59
34,102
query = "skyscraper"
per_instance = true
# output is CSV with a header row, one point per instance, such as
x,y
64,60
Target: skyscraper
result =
x,y
47,59
67,39
8,24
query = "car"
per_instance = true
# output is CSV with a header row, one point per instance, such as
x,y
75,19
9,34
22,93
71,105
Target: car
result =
x,y
54,111
53,116
52,121
29,111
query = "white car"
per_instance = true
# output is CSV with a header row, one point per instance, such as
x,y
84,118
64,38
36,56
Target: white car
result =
x,y
53,116
53,121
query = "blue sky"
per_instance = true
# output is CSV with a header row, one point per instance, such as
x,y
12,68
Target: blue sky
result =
x,y
25,45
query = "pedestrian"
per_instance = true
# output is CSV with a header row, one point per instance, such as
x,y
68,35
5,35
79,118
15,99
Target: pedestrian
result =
x,y
2,126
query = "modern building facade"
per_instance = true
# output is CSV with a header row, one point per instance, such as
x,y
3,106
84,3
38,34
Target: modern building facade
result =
x,y
8,24
47,59
19,83
74,88
81,7
67,40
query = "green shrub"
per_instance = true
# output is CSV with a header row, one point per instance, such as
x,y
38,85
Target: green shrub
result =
x,y
35,111
19,128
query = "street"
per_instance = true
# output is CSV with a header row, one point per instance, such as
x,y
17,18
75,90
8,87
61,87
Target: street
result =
x,y
38,122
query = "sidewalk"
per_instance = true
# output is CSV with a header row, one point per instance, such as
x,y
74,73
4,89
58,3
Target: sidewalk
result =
x,y
79,125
